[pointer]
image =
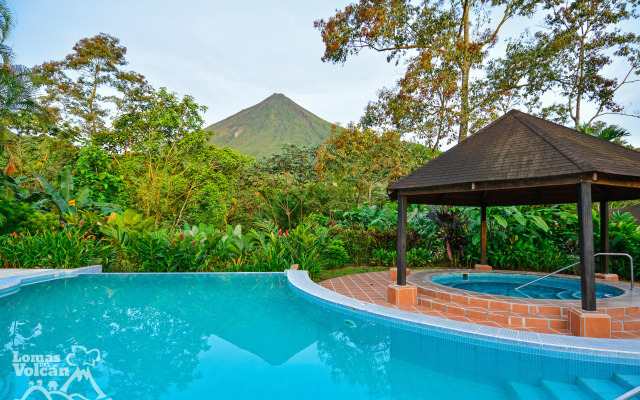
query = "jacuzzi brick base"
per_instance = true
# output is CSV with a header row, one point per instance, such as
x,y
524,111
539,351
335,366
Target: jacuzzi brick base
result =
x,y
405,295
621,313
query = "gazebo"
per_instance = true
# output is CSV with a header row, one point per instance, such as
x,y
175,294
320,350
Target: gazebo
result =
x,y
520,159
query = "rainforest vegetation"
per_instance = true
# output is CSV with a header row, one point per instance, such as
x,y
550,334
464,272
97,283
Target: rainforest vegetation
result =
x,y
102,167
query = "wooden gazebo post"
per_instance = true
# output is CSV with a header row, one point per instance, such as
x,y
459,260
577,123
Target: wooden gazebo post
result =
x,y
585,241
399,293
401,250
604,235
483,234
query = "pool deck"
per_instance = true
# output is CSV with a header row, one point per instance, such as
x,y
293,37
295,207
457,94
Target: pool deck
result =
x,y
11,279
439,301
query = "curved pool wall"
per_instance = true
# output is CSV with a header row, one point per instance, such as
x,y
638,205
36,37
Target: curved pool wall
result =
x,y
505,284
524,351
159,339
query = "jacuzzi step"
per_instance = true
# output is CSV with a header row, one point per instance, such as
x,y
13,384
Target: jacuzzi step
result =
x,y
622,323
503,317
523,391
516,305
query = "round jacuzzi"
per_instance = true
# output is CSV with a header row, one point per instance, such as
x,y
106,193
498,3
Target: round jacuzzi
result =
x,y
506,284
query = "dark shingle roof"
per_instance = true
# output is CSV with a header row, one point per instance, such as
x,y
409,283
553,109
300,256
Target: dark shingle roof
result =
x,y
518,148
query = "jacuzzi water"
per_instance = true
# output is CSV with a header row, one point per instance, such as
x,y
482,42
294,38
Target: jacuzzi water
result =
x,y
243,336
506,284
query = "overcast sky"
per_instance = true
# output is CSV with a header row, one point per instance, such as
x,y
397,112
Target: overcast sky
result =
x,y
229,55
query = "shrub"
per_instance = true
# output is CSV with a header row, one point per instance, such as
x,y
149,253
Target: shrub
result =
x,y
22,218
58,249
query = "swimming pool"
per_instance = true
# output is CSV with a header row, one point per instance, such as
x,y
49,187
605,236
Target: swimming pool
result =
x,y
187,336
506,284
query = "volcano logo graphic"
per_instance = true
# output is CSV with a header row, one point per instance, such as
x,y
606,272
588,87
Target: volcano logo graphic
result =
x,y
79,386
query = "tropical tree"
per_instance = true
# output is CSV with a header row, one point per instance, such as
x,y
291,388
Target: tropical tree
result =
x,y
424,103
611,133
17,94
168,167
77,88
283,183
368,160
6,26
575,56
455,34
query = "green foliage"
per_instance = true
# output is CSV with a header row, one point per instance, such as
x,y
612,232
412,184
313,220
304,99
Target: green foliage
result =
x,y
624,233
365,160
586,53
94,170
283,183
50,249
66,200
538,238
11,189
451,40
22,218
75,88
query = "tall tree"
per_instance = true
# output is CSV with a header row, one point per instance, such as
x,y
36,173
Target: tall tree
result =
x,y
17,102
17,94
457,33
424,103
576,56
89,88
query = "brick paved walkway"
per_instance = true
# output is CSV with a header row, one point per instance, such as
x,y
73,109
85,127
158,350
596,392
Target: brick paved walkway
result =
x,y
372,288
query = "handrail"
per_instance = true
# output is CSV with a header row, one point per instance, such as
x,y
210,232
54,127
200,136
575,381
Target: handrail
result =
x,y
548,275
622,255
576,263
629,394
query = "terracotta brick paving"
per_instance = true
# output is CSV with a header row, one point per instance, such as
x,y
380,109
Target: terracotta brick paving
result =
x,y
372,288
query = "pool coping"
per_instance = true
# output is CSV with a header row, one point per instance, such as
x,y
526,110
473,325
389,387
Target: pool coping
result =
x,y
12,284
616,350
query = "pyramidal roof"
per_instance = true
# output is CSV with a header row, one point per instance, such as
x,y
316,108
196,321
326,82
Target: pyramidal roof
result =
x,y
519,150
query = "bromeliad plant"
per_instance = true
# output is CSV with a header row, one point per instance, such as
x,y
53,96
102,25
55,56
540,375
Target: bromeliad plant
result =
x,y
453,232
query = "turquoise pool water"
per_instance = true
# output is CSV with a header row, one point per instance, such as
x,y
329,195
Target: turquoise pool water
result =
x,y
506,284
244,336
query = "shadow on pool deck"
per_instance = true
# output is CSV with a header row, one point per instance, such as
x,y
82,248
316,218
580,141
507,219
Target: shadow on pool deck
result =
x,y
372,287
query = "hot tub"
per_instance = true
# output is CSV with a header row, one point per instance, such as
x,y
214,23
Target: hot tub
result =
x,y
506,284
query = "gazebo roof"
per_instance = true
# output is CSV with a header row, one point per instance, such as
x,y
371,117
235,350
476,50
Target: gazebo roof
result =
x,y
521,159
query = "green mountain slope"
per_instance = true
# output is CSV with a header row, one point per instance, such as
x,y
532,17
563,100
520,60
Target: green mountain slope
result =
x,y
263,129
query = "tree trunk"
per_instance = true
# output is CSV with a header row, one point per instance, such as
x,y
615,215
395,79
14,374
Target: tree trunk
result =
x,y
465,69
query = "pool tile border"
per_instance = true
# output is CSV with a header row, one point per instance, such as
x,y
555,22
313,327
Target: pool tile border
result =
x,y
579,348
12,284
